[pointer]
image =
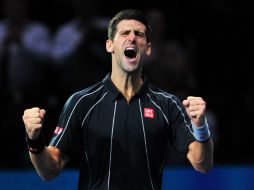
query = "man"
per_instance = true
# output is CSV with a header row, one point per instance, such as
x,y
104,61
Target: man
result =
x,y
120,126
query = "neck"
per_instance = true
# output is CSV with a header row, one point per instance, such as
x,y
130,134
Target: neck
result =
x,y
127,84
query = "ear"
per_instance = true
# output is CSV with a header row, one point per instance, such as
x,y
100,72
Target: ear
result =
x,y
149,49
109,46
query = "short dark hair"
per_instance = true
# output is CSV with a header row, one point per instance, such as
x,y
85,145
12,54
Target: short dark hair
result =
x,y
128,14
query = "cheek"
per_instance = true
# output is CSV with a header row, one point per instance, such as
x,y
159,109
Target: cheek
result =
x,y
144,49
117,48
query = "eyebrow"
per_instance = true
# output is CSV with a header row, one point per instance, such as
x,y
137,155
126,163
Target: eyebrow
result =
x,y
129,30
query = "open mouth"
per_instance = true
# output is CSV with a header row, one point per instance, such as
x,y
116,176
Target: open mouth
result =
x,y
130,52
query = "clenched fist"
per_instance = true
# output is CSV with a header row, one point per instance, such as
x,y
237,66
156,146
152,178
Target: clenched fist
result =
x,y
33,120
195,107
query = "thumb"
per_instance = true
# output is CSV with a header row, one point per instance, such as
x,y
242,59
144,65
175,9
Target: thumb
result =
x,y
42,114
186,103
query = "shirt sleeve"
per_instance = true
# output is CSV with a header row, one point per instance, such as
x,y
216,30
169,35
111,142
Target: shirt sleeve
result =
x,y
67,134
180,125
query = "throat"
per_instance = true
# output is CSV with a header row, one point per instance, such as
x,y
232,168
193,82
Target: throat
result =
x,y
130,90
128,95
128,85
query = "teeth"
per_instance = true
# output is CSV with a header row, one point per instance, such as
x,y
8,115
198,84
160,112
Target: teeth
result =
x,y
130,48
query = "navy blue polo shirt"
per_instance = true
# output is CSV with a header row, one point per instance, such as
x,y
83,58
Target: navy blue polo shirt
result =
x,y
121,145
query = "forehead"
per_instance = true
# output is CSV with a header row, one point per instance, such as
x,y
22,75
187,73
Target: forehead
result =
x,y
131,25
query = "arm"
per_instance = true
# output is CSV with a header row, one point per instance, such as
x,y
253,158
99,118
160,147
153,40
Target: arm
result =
x,y
49,161
200,154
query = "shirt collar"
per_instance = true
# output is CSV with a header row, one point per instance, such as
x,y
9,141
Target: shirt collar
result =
x,y
116,94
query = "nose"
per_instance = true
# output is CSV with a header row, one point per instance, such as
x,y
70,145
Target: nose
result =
x,y
132,36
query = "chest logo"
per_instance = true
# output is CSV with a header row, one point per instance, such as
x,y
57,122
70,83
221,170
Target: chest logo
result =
x,y
149,112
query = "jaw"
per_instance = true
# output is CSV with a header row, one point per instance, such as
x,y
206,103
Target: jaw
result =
x,y
131,64
126,65
130,61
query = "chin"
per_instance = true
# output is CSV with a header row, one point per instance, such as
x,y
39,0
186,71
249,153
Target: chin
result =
x,y
132,70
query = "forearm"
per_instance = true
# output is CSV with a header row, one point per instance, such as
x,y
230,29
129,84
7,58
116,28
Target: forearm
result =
x,y
47,163
201,155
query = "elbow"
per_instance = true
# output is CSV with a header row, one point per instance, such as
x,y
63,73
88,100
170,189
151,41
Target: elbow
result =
x,y
208,167
48,176
204,168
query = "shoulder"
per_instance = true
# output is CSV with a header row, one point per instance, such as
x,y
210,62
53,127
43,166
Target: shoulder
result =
x,y
84,95
163,98
160,94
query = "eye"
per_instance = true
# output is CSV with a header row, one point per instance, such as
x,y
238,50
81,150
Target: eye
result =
x,y
125,33
140,34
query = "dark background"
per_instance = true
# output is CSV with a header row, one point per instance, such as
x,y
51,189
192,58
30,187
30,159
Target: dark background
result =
x,y
223,32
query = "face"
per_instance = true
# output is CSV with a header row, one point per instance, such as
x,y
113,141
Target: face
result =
x,y
129,47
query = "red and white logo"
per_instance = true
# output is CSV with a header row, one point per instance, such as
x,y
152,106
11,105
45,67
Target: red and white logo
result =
x,y
149,112
58,130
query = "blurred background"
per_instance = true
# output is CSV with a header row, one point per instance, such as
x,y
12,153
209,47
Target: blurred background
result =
x,y
50,49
